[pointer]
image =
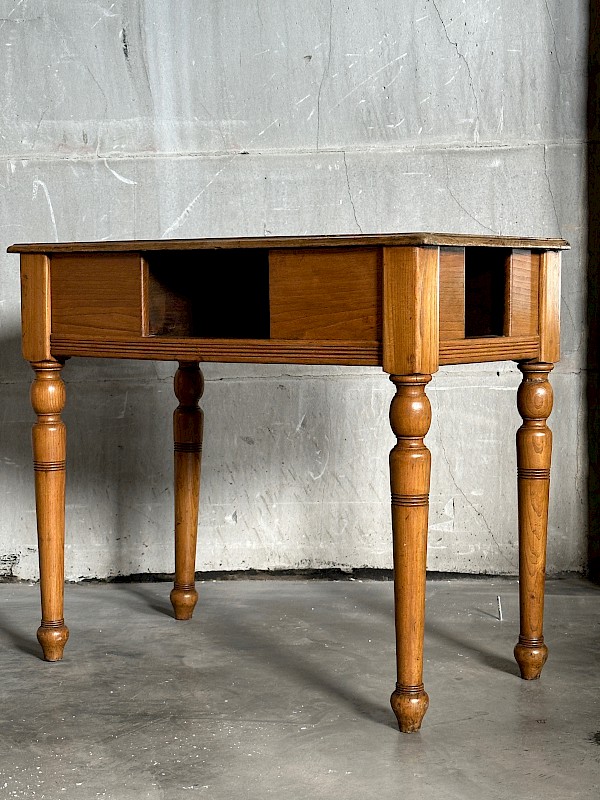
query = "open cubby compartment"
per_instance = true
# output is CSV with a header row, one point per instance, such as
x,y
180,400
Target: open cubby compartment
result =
x,y
486,302
208,294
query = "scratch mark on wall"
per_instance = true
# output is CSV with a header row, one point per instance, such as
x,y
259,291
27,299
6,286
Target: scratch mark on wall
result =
x,y
105,13
449,81
466,63
7,18
190,206
275,121
555,49
121,178
395,78
121,414
366,80
446,525
466,210
350,194
550,191
36,186
471,505
324,75
320,474
501,116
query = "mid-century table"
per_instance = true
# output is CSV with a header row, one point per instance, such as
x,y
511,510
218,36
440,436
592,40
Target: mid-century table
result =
x,y
404,302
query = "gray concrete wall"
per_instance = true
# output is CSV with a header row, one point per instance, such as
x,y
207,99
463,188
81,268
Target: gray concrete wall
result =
x,y
148,118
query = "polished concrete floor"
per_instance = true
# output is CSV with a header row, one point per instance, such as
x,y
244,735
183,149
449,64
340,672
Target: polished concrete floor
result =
x,y
280,689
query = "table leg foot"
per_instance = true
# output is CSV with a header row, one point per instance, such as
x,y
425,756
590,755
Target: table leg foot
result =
x,y
531,656
409,704
183,600
52,637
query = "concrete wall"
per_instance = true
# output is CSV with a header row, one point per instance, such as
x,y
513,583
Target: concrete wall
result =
x,y
148,118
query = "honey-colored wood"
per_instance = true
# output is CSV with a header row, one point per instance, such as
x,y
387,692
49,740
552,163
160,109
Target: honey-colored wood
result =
x,y
418,239
144,290
188,420
49,461
257,351
96,296
357,300
35,307
522,290
534,450
288,351
166,309
410,467
549,308
410,310
452,293
325,294
492,348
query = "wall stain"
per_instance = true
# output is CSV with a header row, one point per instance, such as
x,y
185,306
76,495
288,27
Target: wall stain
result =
x,y
8,562
125,45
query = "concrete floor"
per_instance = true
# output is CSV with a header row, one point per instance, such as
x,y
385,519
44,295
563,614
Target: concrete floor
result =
x,y
280,689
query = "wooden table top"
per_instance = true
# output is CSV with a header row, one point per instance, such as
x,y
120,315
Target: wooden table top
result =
x,y
277,242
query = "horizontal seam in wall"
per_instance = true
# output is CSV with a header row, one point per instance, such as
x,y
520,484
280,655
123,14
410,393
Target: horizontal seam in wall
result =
x,y
149,382
358,150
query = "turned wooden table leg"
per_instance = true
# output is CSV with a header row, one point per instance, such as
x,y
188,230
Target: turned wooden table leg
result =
x,y
187,435
49,461
410,466
534,449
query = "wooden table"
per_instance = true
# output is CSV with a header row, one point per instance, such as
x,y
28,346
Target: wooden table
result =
x,y
404,302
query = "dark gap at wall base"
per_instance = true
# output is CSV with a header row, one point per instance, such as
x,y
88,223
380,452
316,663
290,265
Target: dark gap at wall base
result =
x,y
331,574
593,296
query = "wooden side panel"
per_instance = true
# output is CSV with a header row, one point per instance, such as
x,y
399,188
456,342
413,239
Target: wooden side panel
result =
x,y
452,293
251,351
96,295
35,307
325,294
549,306
522,287
168,312
410,310
489,348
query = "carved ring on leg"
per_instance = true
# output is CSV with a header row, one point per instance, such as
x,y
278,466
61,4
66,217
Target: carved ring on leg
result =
x,y
183,599
52,637
531,655
409,704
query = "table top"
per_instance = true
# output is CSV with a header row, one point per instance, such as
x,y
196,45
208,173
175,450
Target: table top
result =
x,y
281,242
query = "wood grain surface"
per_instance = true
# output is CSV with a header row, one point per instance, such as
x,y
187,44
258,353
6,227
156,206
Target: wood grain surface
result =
x,y
273,242
325,294
410,310
522,287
